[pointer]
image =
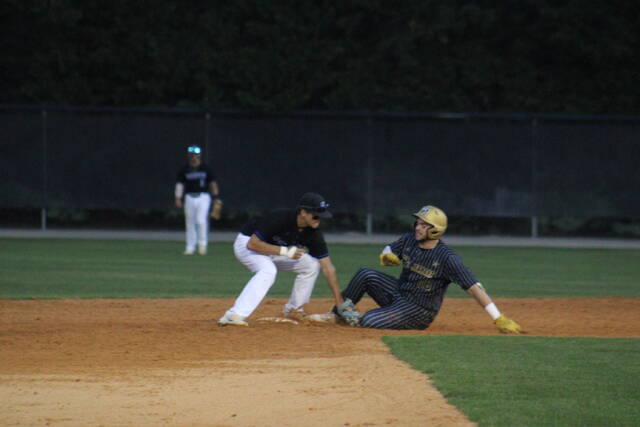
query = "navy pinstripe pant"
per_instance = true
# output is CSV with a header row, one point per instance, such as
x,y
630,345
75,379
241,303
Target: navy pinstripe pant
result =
x,y
395,311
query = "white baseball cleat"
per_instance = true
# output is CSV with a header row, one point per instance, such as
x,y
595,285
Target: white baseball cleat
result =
x,y
232,319
189,252
329,317
202,249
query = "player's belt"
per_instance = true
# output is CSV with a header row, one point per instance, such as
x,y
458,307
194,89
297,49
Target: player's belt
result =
x,y
195,194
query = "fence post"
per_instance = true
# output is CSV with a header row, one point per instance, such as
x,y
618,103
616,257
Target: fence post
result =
x,y
207,130
45,198
534,194
369,175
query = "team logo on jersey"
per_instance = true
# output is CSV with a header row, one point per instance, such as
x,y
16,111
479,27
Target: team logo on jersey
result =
x,y
422,270
196,175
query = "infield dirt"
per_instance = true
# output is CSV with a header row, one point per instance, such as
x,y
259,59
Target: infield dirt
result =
x,y
166,362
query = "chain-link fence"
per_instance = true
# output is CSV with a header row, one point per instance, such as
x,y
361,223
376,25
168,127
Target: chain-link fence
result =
x,y
364,164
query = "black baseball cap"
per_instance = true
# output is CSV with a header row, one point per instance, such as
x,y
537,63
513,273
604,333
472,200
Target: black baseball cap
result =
x,y
313,202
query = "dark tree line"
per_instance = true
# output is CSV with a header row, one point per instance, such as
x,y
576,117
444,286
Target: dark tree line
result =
x,y
554,56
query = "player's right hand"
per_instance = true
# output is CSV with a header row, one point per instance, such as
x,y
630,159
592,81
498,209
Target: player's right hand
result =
x,y
178,203
389,259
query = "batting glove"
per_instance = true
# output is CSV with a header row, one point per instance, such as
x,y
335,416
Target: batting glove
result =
x,y
389,259
216,211
507,325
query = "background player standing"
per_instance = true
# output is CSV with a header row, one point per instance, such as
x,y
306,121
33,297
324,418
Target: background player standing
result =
x,y
289,240
413,300
195,185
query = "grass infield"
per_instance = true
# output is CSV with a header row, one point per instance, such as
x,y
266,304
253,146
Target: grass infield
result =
x,y
531,381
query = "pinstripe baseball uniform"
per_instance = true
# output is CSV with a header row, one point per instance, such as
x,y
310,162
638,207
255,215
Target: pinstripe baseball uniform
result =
x,y
413,300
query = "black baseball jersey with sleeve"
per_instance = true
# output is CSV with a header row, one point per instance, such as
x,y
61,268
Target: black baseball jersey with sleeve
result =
x,y
279,227
196,180
427,273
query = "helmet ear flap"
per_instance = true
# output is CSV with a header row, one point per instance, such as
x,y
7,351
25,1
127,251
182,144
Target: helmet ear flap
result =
x,y
435,232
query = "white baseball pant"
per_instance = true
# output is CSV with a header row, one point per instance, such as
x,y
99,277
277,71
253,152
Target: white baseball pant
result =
x,y
266,269
196,218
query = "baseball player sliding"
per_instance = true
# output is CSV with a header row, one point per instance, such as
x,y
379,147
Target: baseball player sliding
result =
x,y
288,240
413,300
195,184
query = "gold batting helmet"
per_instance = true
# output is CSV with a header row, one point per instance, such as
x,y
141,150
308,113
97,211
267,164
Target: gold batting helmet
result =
x,y
436,218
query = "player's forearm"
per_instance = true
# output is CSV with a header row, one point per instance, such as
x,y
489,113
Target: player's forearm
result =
x,y
481,296
262,247
214,189
329,273
178,192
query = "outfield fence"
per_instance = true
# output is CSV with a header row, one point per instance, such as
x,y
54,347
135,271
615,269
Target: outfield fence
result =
x,y
527,165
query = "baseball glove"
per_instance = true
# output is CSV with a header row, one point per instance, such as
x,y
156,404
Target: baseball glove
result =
x,y
389,259
507,325
348,313
217,209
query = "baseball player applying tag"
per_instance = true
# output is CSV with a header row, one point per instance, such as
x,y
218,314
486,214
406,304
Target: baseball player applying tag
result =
x,y
287,240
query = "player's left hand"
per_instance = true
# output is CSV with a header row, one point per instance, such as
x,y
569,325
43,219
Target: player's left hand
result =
x,y
507,325
389,259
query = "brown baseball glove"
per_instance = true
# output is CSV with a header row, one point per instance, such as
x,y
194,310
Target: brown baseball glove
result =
x,y
216,211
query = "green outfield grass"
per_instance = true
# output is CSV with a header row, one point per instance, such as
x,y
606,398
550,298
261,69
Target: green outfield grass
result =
x,y
531,381
67,268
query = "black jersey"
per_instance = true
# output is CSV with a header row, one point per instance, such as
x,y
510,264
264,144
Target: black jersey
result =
x,y
196,180
427,273
279,228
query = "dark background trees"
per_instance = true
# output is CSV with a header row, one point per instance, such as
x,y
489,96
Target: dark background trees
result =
x,y
416,55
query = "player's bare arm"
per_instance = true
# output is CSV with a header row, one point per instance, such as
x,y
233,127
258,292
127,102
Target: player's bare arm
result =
x,y
213,189
262,247
480,295
179,191
329,273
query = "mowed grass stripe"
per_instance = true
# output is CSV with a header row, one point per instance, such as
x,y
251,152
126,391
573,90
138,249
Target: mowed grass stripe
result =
x,y
53,268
